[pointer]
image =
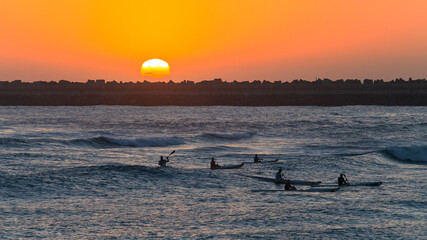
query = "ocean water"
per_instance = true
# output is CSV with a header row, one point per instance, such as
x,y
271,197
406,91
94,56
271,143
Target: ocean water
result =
x,y
91,172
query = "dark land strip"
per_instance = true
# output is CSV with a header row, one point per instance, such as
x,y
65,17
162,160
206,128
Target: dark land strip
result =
x,y
186,93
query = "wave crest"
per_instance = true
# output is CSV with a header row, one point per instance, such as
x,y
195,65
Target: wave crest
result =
x,y
231,136
409,154
138,142
12,141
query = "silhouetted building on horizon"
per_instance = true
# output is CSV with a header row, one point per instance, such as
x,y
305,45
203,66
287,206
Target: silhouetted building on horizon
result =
x,y
322,91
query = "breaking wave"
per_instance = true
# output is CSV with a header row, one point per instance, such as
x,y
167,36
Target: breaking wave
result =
x,y
99,142
137,142
409,154
12,141
225,136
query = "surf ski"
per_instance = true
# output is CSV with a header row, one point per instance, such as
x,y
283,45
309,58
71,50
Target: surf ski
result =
x,y
268,161
229,166
333,189
357,184
294,182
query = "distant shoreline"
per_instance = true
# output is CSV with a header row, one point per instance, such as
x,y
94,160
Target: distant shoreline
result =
x,y
298,93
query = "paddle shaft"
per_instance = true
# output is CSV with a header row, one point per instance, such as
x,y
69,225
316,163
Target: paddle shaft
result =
x,y
171,154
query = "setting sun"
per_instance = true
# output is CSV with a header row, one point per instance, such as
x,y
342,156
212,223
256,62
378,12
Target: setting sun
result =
x,y
155,68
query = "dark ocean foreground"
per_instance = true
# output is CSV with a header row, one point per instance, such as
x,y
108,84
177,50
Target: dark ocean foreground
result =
x,y
91,172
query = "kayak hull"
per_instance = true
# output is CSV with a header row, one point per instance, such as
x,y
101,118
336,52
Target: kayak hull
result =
x,y
301,190
263,162
372,184
294,182
229,166
359,184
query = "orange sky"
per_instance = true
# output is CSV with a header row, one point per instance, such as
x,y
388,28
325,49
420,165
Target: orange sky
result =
x,y
233,39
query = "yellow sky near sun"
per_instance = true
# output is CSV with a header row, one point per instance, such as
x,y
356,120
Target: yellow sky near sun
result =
x,y
234,39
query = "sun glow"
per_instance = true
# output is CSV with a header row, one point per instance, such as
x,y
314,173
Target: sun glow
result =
x,y
155,68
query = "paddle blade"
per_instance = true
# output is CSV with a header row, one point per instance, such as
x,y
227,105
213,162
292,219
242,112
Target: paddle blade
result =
x,y
171,153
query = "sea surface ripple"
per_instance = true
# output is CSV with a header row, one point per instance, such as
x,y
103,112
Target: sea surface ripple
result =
x,y
91,172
